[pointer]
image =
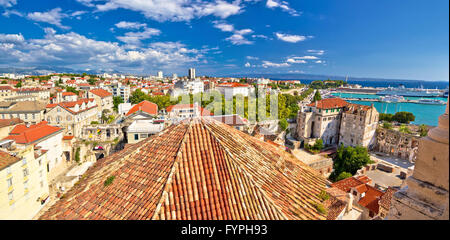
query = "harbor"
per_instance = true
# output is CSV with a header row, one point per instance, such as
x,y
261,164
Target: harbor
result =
x,y
424,112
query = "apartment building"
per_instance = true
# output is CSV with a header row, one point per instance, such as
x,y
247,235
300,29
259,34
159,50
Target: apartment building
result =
x,y
23,183
30,112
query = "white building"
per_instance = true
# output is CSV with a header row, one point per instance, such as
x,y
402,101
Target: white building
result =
x,y
160,75
233,89
186,87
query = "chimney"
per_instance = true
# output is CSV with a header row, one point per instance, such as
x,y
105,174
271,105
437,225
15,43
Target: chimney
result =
x,y
350,202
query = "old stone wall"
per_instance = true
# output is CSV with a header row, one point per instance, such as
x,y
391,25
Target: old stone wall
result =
x,y
397,144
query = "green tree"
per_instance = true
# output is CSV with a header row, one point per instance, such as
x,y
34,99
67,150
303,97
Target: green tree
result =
x,y
116,101
349,159
404,117
317,96
386,117
423,130
318,145
18,85
4,82
283,124
138,96
77,155
72,89
405,129
387,125
343,175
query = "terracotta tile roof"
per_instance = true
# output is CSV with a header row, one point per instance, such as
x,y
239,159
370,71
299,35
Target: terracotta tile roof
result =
x,y
26,106
385,201
350,108
329,103
9,122
334,206
68,105
68,94
24,135
100,92
232,85
351,182
144,106
371,198
67,138
7,159
200,170
231,120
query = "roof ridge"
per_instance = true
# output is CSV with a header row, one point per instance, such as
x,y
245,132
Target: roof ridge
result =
x,y
270,199
249,176
174,168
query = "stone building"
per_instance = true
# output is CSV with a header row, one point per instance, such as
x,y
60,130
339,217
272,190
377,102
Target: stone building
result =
x,y
426,195
72,116
30,112
358,125
398,144
336,121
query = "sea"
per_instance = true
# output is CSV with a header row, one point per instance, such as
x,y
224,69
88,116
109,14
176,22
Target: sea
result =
x,y
425,114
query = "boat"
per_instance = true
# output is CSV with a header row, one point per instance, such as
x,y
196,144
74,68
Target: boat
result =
x,y
392,99
431,101
409,92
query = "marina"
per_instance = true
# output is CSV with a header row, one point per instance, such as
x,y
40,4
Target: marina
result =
x,y
425,113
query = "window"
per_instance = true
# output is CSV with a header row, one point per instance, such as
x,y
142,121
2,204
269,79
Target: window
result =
x,y
25,185
24,161
42,184
10,182
136,136
25,172
8,170
10,196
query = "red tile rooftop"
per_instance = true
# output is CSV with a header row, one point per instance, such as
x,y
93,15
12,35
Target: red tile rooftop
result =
x,y
200,170
329,103
144,106
24,135
101,93
7,159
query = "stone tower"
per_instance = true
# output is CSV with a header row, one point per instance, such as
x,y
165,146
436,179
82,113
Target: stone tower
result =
x,y
426,195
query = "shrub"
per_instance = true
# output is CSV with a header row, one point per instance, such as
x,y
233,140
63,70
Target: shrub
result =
x,y
109,180
323,195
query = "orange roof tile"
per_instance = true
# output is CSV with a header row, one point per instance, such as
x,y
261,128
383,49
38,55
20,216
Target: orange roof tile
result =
x,y
232,85
347,184
24,135
202,169
329,103
371,198
7,159
100,92
144,106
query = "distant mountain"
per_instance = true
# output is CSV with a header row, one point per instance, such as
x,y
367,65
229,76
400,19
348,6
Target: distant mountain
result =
x,y
42,70
300,76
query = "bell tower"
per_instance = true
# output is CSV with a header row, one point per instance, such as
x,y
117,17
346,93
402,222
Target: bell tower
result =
x,y
426,195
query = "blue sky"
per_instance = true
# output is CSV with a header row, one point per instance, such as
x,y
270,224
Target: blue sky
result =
x,y
370,38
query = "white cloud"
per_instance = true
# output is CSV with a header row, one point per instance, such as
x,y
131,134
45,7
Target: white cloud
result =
x,y
135,38
247,64
266,64
316,52
239,39
306,57
170,10
283,5
79,52
130,25
290,38
252,58
293,60
238,35
8,3
259,36
53,17
224,27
